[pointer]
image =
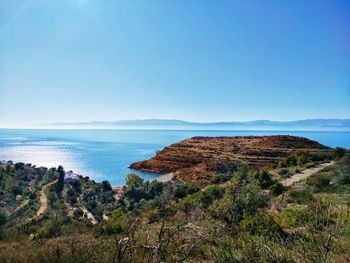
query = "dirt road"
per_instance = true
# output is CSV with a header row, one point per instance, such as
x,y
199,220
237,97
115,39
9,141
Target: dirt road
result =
x,y
305,174
43,199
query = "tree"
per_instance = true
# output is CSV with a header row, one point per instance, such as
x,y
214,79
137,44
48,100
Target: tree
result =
x,y
19,166
106,186
60,182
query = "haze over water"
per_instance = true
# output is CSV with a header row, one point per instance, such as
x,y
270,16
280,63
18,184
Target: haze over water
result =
x,y
106,154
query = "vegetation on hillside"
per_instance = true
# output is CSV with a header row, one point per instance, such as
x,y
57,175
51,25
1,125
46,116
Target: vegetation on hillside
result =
x,y
244,216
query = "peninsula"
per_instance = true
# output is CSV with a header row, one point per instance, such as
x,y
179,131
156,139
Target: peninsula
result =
x,y
198,159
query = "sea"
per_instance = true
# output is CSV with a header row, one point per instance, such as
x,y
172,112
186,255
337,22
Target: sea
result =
x,y
106,154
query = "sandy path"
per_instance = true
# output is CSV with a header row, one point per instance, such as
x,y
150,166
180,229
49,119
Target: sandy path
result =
x,y
305,174
43,199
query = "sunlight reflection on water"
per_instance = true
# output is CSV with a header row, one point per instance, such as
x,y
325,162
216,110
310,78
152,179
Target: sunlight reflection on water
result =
x,y
43,155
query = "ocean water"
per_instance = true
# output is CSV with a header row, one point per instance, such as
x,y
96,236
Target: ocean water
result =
x,y
106,154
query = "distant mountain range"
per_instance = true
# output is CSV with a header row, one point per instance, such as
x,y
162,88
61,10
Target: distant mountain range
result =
x,y
305,125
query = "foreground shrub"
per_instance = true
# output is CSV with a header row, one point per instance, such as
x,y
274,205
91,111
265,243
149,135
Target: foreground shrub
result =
x,y
300,196
293,215
319,181
243,197
276,189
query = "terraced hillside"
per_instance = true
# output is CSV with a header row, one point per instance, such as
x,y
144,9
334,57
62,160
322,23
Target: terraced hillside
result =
x,y
197,159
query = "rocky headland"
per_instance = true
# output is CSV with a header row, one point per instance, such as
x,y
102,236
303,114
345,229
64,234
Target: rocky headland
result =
x,y
198,159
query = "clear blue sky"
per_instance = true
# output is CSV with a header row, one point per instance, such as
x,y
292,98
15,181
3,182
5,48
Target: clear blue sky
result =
x,y
204,60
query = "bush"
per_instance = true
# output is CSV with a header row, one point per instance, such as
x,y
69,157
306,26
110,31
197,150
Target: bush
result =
x,y
276,189
319,181
218,179
344,179
299,196
264,178
339,152
185,189
260,224
49,229
187,205
133,180
208,196
109,229
215,180
283,171
292,216
180,192
243,198
191,189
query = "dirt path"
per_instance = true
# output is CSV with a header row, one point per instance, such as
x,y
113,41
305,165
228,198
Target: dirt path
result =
x,y
304,174
5,244
89,215
70,209
43,200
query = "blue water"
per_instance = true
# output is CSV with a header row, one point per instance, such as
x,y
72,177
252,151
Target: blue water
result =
x,y
106,154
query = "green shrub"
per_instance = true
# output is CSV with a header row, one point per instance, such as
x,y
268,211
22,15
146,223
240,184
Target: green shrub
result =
x,y
206,197
260,224
216,179
283,171
276,189
242,198
109,229
133,180
187,205
309,165
183,190
344,179
264,178
338,152
299,196
319,181
180,192
292,216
